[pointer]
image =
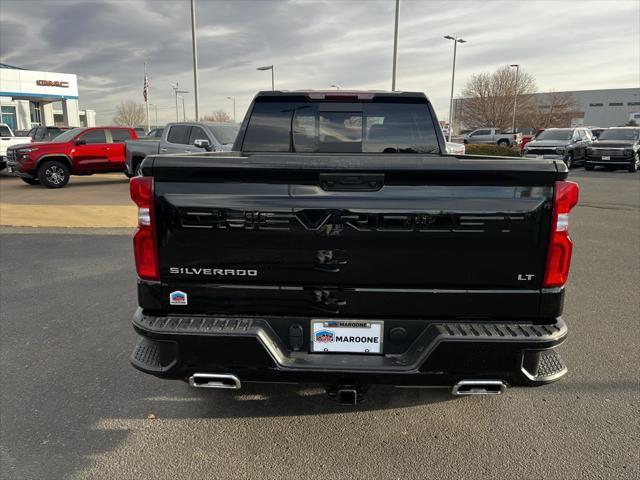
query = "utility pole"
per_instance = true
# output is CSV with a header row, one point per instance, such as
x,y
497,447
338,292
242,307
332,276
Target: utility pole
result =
x,y
194,47
515,97
395,49
456,41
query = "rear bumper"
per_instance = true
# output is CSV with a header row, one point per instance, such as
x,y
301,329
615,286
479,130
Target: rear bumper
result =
x,y
444,353
598,161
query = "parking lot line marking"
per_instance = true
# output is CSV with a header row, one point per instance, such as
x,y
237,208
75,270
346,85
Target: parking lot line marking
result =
x,y
99,216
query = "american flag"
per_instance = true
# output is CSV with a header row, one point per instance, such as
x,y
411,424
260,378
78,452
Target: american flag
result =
x,y
145,90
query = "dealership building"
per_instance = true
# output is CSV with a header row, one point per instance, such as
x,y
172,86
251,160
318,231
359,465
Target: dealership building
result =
x,y
30,98
594,108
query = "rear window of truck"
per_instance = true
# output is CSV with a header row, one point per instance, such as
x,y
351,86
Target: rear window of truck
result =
x,y
340,128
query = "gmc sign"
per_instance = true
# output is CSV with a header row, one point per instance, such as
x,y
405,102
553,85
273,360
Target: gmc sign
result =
x,y
52,83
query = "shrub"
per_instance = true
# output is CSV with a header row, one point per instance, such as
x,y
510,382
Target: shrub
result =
x,y
491,149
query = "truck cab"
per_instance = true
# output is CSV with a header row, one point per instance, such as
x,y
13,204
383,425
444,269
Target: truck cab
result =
x,y
182,137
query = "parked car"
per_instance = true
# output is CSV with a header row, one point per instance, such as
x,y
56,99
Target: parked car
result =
x,y
616,148
493,135
181,137
44,133
7,139
528,134
567,144
79,151
339,244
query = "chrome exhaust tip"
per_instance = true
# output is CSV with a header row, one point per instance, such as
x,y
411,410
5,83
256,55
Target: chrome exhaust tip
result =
x,y
479,387
214,380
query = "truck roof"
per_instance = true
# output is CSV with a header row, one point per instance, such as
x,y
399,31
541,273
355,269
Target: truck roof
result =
x,y
335,94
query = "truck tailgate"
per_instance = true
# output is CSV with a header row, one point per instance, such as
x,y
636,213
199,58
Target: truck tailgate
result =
x,y
357,236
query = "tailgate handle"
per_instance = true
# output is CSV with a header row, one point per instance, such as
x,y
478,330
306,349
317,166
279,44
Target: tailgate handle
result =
x,y
347,182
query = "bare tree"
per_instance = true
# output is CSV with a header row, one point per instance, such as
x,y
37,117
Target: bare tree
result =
x,y
488,98
129,114
554,109
218,116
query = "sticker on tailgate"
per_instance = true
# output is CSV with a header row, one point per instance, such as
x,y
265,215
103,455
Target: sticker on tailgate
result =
x,y
178,298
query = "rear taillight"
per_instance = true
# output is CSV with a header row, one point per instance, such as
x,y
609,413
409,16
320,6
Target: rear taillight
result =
x,y
145,248
565,197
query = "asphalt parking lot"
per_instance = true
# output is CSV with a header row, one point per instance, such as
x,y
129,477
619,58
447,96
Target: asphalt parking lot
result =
x,y
72,407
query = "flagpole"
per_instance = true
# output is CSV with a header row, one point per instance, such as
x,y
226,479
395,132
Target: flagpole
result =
x,y
146,96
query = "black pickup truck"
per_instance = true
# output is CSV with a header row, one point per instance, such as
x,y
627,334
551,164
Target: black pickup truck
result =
x,y
337,244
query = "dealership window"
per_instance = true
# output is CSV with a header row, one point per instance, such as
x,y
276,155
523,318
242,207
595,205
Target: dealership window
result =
x,y
35,109
595,104
615,104
8,116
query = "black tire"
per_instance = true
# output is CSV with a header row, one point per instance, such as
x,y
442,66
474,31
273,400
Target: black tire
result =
x,y
53,174
568,160
503,143
588,167
633,166
30,181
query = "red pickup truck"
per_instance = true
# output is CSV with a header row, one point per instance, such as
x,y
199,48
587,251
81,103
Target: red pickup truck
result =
x,y
79,151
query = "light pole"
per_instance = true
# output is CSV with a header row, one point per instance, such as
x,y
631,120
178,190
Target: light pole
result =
x,y
395,48
456,41
194,48
155,106
184,116
515,97
234,108
337,87
176,91
268,67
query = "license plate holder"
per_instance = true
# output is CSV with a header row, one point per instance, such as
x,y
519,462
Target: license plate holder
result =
x,y
347,336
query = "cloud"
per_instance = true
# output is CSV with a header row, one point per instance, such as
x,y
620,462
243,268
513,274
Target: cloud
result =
x,y
314,44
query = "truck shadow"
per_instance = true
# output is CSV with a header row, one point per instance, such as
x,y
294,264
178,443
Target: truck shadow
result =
x,y
282,400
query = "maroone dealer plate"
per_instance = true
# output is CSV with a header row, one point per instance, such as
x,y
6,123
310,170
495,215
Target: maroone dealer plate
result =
x,y
346,336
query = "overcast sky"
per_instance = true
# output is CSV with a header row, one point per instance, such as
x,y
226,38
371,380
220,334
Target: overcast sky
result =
x,y
566,45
